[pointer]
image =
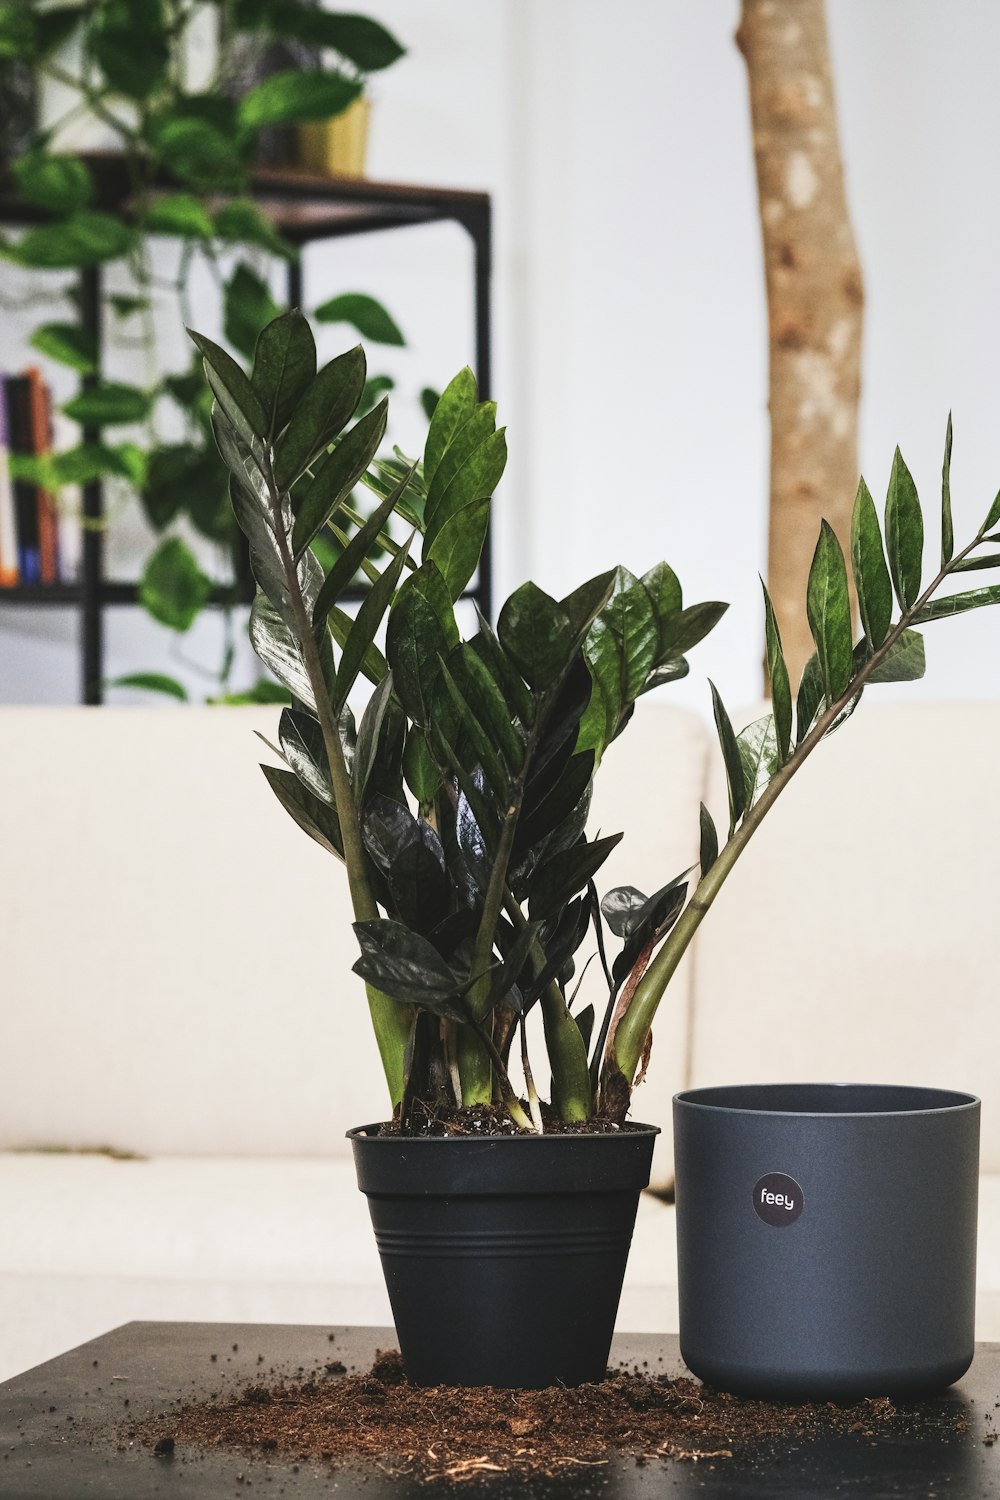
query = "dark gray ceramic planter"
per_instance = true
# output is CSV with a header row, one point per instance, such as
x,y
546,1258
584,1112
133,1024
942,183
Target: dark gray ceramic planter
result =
x,y
826,1237
504,1257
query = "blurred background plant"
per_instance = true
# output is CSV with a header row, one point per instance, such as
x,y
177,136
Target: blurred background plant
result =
x,y
189,142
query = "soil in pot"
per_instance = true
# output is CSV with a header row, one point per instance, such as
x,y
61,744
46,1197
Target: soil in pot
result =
x,y
461,1433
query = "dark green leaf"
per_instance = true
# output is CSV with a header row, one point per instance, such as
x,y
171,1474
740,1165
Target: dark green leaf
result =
x,y
759,755
537,634
475,478
409,854
323,413
486,698
419,768
314,817
338,475
651,924
365,314
170,476
977,564
777,673
454,408
173,589
828,607
585,603
664,590
993,517
369,730
58,184
957,604
630,617
483,752
621,909
904,661
458,546
871,576
350,560
709,851
904,533
810,699
233,391
370,616
566,874
92,461
69,344
278,649
126,307
85,239
731,758
681,632
947,529
429,399
240,221
262,691
129,42
301,738
109,405
248,308
56,26
199,152
503,671
406,966
373,664
18,31
152,682
421,633
543,814
292,97
283,368
364,42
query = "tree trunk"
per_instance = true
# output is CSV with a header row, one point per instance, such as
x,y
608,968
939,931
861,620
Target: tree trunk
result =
x,y
814,296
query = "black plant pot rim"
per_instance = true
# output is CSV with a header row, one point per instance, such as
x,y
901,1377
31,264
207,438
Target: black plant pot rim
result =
x,y
497,1165
827,1100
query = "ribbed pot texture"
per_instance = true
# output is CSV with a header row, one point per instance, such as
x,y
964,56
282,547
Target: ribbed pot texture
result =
x,y
504,1257
826,1237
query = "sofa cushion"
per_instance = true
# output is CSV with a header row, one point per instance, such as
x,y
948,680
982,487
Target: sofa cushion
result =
x,y
854,939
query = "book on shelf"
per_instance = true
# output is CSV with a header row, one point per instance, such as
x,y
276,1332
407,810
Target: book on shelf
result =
x,y
29,518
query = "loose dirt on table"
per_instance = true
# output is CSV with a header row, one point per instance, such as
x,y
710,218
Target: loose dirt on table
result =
x,y
461,1433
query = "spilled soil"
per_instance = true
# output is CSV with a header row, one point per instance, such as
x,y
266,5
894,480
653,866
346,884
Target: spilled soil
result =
x,y
457,1433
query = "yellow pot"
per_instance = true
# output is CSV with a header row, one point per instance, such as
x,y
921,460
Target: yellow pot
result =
x,y
336,147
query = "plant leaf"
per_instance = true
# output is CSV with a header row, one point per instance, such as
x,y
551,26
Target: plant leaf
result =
x,y
621,909
537,634
365,314
109,405
777,672
152,682
173,589
178,214
293,97
314,817
338,475
759,755
455,405
322,414
458,546
284,366
86,238
992,517
828,607
904,662
810,699
731,759
904,533
421,632
957,604
57,183
353,555
681,632
237,399
301,738
406,966
278,649
563,876
871,576
69,344
947,529
476,479
369,617
248,308
709,851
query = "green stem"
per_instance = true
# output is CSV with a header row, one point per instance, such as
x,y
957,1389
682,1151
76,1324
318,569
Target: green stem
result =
x,y
391,1019
630,1036
572,1096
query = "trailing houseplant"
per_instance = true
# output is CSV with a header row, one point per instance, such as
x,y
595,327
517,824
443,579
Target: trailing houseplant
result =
x,y
458,798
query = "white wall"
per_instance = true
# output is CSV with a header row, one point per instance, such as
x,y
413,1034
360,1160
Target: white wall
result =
x,y
629,310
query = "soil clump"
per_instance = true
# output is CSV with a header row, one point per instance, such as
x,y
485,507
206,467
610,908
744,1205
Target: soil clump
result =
x,y
459,1433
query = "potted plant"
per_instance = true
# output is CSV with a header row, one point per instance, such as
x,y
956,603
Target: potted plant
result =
x,y
458,803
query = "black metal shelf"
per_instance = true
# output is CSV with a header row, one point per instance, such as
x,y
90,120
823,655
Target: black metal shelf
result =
x,y
305,208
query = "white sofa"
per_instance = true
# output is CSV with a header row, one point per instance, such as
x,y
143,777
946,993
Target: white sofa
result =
x,y
176,985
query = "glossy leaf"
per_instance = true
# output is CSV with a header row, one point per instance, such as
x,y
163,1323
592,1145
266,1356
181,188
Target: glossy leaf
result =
x,y
458,546
566,874
651,924
275,644
408,967
682,632
350,560
664,590
338,475
454,407
314,817
904,533
421,632
759,756
373,664
957,604
977,564
871,576
622,907
410,855
542,815
777,673
476,428
293,97
483,753
475,479
947,528
709,844
371,320
420,769
537,634
731,758
993,516
232,390
69,344
904,661
301,738
369,617
369,730
828,607
322,414
488,703
173,589
283,368
810,699
487,645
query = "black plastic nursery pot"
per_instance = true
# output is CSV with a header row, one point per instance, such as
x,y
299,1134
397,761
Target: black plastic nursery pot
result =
x,y
826,1237
504,1256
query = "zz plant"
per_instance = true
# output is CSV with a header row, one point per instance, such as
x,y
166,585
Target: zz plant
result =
x,y
458,799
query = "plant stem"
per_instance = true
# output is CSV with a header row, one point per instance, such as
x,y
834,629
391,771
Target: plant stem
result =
x,y
391,1019
572,1096
529,1082
633,1028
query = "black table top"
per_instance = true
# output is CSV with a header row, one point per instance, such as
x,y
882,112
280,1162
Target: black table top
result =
x,y
56,1421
